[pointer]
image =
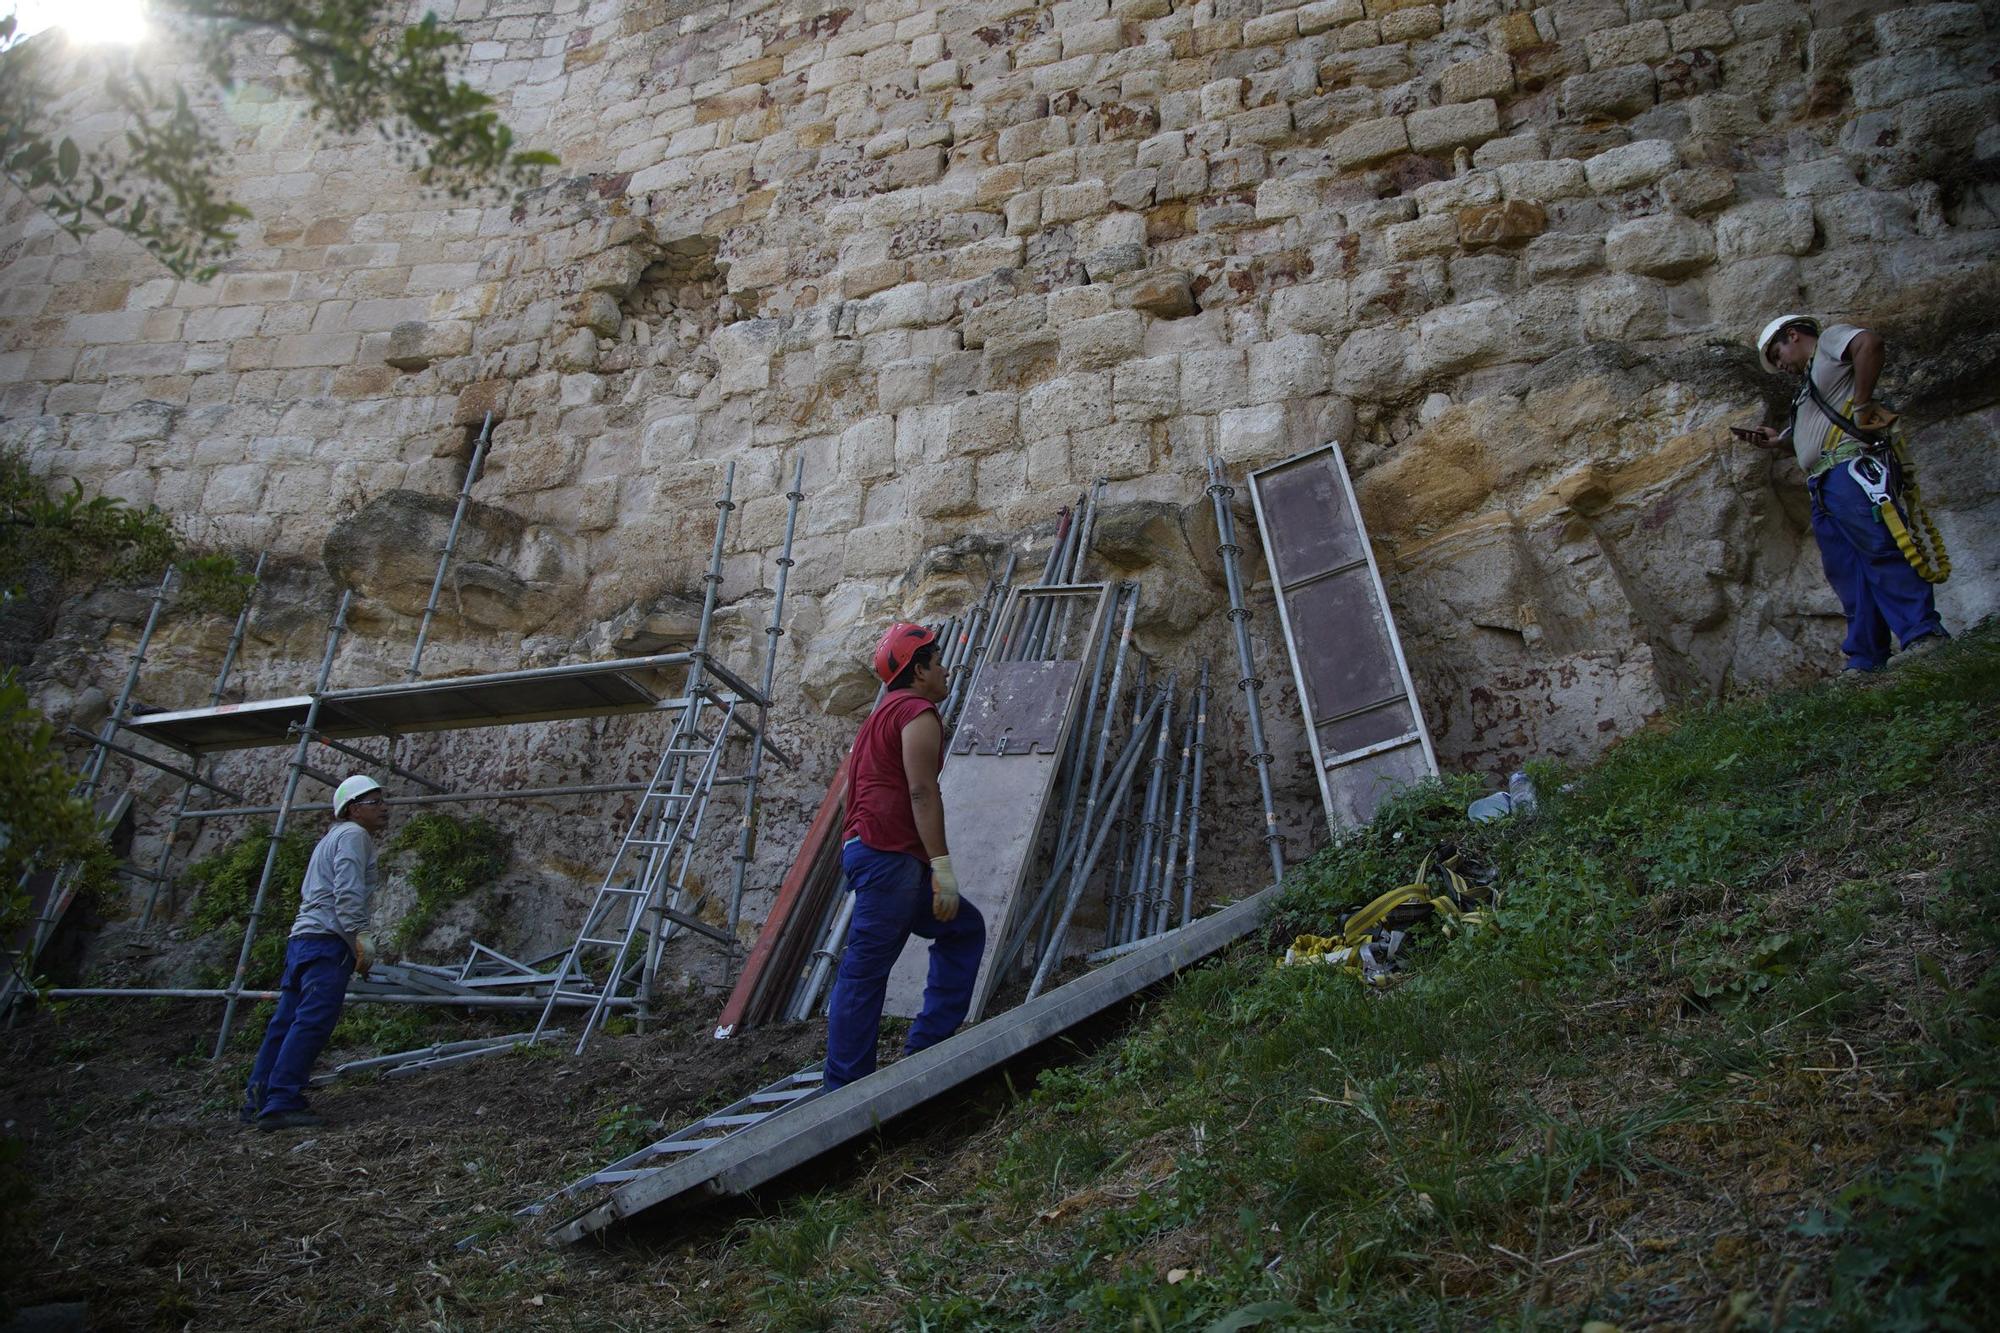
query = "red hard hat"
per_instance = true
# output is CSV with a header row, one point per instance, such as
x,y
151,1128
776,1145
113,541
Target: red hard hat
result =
x,y
898,646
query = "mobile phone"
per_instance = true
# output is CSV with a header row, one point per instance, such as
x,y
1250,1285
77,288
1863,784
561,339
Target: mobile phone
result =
x,y
1743,434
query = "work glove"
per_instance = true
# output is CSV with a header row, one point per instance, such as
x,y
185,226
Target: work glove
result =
x,y
363,948
944,889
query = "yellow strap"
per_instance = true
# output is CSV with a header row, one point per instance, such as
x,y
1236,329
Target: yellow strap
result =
x,y
1934,565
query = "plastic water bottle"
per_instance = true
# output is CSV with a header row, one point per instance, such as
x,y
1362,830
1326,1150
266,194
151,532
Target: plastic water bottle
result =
x,y
1522,792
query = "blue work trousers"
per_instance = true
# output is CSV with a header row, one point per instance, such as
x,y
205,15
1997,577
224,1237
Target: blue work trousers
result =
x,y
309,999
892,901
1877,588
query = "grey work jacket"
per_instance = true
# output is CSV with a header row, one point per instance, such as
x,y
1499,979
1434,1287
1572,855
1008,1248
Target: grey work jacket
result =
x,y
338,892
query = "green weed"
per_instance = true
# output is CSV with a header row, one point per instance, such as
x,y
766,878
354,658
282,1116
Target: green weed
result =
x,y
450,858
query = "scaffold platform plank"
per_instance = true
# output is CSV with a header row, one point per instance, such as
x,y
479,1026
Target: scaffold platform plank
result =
x,y
448,703
763,1151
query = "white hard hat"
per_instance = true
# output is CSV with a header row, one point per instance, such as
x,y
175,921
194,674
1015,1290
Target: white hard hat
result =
x,y
1773,329
353,788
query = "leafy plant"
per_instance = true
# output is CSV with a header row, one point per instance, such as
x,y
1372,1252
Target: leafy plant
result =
x,y
452,858
226,886
1920,1245
72,538
624,1130
160,182
214,584
42,824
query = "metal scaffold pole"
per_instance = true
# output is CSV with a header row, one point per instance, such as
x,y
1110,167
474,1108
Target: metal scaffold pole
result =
x,y
94,769
747,830
62,886
160,880
1219,493
450,545
296,770
681,753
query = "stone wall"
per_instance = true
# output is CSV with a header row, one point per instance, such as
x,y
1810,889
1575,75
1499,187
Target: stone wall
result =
x,y
965,259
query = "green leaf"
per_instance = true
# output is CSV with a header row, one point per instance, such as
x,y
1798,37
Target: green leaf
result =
x,y
68,159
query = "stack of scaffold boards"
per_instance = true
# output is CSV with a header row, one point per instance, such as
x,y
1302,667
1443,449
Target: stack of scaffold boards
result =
x,y
1072,786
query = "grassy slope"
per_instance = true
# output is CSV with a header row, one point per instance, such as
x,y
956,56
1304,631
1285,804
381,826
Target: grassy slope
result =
x,y
1728,1060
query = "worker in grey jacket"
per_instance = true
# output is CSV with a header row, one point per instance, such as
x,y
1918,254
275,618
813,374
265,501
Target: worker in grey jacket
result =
x,y
327,946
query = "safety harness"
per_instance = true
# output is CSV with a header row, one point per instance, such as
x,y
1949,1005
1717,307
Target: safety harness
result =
x,y
1367,943
1872,473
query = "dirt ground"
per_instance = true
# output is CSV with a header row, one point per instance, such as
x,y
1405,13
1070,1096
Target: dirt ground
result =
x,y
152,1205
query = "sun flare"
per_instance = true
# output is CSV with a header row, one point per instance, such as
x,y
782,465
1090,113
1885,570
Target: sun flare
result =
x,y
121,21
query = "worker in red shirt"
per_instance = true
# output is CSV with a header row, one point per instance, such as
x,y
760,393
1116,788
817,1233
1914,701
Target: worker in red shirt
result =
x,y
898,866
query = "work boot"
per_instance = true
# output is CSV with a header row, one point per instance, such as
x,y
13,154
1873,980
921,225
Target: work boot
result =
x,y
253,1102
273,1120
1918,647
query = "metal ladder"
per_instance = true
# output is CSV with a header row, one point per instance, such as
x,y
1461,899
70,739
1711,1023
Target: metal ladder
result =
x,y
667,821
706,1132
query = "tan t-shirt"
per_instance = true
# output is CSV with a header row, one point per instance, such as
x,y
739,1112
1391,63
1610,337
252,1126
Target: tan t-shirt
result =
x,y
1835,378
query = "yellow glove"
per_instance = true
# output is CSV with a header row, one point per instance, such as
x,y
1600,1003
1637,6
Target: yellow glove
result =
x,y
944,889
362,949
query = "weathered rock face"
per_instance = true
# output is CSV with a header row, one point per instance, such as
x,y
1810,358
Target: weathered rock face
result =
x,y
965,259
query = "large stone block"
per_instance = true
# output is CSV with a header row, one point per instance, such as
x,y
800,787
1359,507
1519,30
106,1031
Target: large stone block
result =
x,y
1663,246
1369,141
1622,307
984,423
1373,364
1453,126
1147,389
1103,341
1433,235
1611,94
1071,402
1162,293
1214,379
1541,182
1120,450
1464,337
1510,223
1764,227
1631,165
1552,256
1293,366
1311,307
1927,28
743,353
1018,143
1741,296
1248,436
942,490
1482,76
1633,44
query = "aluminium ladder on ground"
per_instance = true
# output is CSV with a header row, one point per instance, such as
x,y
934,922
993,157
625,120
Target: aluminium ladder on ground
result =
x,y
698,1136
764,1145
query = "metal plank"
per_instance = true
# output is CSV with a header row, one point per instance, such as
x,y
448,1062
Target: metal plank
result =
x,y
752,1156
1363,720
997,784
585,689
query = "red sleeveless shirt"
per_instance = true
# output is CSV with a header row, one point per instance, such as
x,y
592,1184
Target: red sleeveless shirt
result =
x,y
878,791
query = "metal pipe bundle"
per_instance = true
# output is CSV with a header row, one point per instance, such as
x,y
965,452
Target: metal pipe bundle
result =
x,y
1219,493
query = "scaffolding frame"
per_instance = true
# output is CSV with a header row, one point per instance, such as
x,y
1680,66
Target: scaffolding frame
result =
x,y
743,707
